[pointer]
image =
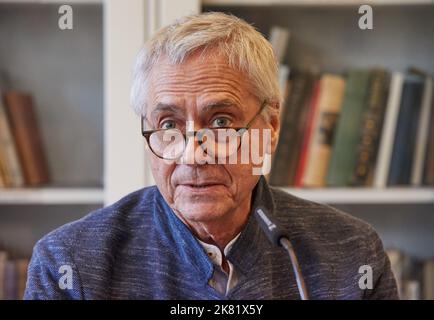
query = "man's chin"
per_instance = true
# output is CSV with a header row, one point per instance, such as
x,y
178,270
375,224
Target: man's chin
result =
x,y
202,212
203,206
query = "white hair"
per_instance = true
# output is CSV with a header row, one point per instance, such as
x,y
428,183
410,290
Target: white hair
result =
x,y
240,43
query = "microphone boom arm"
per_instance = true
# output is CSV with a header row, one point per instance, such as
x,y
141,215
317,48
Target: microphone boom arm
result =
x,y
302,289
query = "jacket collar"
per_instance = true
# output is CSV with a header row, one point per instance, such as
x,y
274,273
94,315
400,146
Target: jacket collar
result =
x,y
244,252
252,241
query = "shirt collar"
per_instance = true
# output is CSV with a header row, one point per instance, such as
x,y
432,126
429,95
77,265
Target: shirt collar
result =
x,y
214,252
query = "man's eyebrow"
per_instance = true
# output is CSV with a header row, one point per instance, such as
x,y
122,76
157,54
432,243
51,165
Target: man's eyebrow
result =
x,y
209,106
165,107
220,104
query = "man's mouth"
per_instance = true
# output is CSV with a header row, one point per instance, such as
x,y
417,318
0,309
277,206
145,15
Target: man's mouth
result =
x,y
201,185
205,188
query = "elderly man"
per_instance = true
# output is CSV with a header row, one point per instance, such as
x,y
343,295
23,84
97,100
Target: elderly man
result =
x,y
202,87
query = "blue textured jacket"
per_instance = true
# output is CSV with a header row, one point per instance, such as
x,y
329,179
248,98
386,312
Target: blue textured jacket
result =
x,y
137,248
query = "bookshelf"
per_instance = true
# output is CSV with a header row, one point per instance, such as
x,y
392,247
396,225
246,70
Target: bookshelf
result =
x,y
80,82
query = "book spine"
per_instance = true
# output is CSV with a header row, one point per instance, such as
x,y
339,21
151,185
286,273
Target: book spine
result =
x,y
300,129
428,280
2,169
22,266
405,139
8,152
329,102
371,128
428,175
342,161
387,137
422,133
3,260
283,81
279,38
280,169
10,281
22,116
308,133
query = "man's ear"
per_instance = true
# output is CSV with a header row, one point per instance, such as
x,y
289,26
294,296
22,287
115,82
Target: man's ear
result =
x,y
274,124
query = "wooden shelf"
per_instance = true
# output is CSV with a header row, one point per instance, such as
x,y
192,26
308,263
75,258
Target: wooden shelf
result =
x,y
365,195
51,195
313,2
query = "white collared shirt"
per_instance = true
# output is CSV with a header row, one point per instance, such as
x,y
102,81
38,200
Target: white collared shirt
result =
x,y
220,280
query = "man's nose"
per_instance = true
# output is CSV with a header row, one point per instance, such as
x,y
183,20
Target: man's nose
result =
x,y
191,143
193,153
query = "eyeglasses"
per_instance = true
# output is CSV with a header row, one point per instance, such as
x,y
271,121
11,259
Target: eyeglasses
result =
x,y
170,144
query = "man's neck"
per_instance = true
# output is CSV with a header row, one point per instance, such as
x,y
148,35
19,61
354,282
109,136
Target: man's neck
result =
x,y
221,231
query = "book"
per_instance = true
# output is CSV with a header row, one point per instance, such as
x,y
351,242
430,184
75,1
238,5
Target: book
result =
x,y
422,133
22,266
428,172
283,81
24,126
372,121
329,102
279,38
428,280
11,167
3,260
306,131
407,270
396,264
10,281
411,290
2,171
284,162
343,157
300,131
387,136
13,276
405,139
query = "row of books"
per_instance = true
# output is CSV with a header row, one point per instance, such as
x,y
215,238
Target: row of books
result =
x,y
369,127
13,277
414,277
22,157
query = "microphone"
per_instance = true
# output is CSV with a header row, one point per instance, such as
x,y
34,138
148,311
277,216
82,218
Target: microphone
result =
x,y
278,237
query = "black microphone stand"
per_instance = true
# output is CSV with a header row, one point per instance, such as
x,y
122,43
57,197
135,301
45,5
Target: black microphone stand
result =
x,y
278,237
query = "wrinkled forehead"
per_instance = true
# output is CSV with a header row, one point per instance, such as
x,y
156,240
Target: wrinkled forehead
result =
x,y
198,81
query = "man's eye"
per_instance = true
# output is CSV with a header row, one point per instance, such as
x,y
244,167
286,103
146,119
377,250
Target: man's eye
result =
x,y
221,122
168,124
